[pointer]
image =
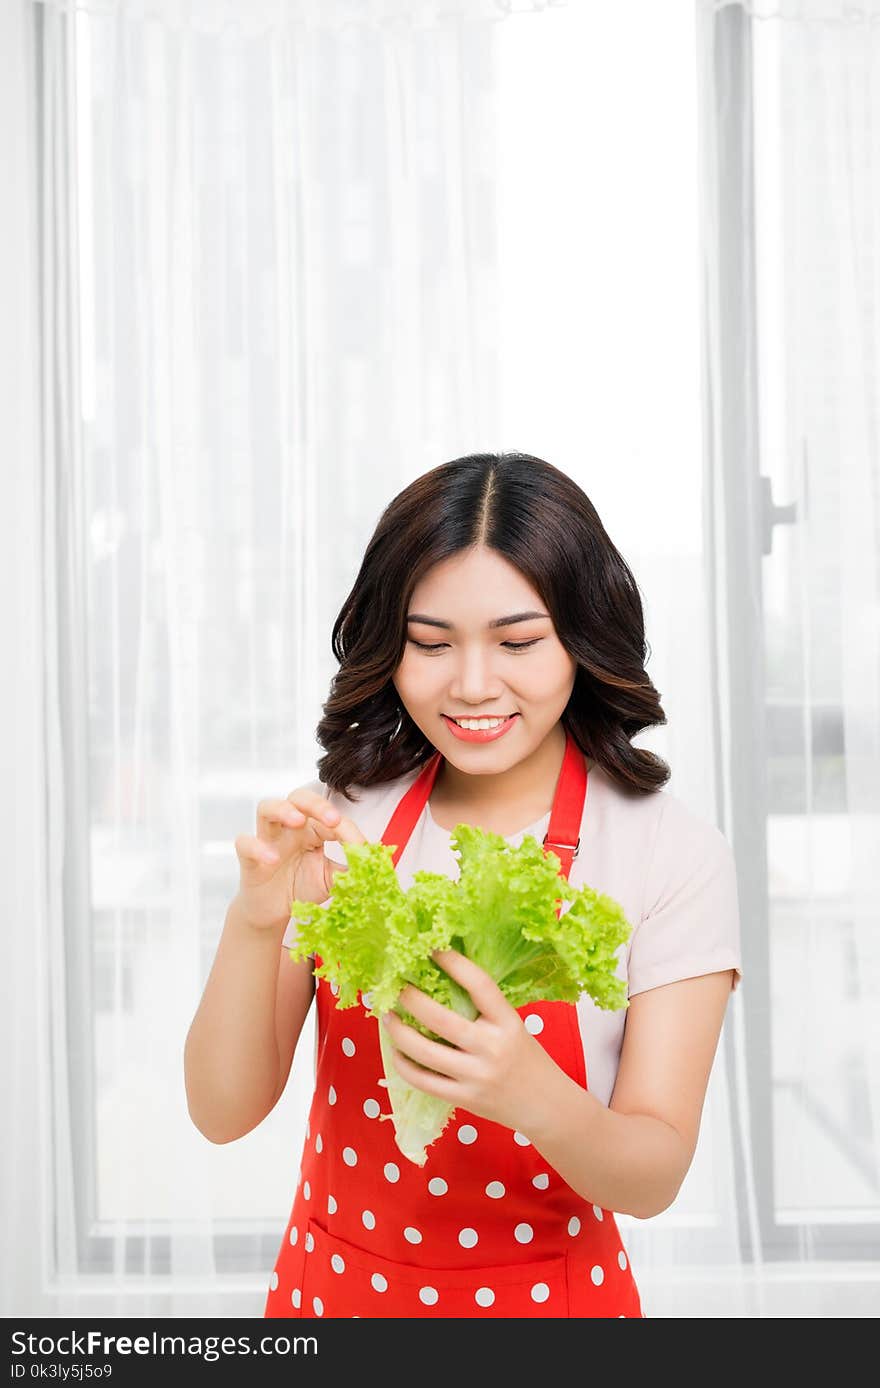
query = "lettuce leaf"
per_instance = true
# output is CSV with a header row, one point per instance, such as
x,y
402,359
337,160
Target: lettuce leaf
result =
x,y
373,938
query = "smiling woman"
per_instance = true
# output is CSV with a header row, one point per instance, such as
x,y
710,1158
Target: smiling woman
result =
x,y
508,697
493,637
489,590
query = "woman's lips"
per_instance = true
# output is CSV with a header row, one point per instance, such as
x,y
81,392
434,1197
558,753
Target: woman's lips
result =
x,y
481,734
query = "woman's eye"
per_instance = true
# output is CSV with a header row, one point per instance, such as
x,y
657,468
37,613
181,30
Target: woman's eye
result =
x,y
511,645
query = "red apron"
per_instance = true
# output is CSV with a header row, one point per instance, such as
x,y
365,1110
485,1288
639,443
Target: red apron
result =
x,y
486,1227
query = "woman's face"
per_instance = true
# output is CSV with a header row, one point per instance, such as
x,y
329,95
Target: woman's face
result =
x,y
476,670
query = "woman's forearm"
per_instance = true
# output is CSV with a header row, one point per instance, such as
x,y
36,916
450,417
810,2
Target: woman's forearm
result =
x,y
231,1061
629,1163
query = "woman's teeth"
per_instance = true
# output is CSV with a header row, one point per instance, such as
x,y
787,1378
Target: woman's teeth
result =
x,y
474,724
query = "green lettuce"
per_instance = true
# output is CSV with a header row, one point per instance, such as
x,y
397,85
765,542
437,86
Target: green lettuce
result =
x,y
373,938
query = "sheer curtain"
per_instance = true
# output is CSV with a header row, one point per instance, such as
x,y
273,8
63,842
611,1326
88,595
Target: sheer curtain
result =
x,y
790,218
281,258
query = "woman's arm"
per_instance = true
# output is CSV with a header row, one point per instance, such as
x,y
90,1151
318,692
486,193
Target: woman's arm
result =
x,y
632,1156
240,1046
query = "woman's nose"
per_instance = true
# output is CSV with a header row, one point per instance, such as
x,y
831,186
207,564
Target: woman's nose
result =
x,y
476,682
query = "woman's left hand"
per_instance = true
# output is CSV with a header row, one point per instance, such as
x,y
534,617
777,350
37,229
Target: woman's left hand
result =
x,y
496,1070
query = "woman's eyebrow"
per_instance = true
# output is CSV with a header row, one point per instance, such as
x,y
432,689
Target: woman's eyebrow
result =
x,y
497,622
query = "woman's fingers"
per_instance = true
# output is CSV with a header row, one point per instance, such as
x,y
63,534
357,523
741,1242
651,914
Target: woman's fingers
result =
x,y
326,821
274,816
251,849
303,811
308,802
278,815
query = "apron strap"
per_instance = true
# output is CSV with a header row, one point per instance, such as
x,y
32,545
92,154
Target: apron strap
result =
x,y
563,831
409,808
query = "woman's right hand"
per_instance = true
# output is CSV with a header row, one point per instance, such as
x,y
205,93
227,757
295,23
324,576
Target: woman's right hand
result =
x,y
285,860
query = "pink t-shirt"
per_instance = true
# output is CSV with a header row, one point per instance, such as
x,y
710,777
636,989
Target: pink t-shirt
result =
x,y
672,872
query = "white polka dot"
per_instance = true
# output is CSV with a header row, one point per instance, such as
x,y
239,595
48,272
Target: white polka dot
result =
x,y
274,1282
495,1190
337,1263
308,1129
294,1234
437,1185
467,1134
296,1297
621,1317
621,1260
368,1219
392,1172
429,1296
371,1108
319,1143
307,1190
379,1283
367,1000
521,1139
540,1291
597,1275
348,1045
534,1023
484,1296
574,1225
310,1242
541,1181
331,1095
318,1305
597,1211
524,1233
331,1204
349,1156
467,1237
334,989
412,1235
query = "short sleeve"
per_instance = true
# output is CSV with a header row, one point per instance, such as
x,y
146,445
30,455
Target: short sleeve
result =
x,y
690,923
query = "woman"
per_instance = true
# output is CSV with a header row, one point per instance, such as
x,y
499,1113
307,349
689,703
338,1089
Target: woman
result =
x,y
491,670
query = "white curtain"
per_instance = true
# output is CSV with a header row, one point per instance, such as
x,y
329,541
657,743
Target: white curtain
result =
x,y
790,219
271,262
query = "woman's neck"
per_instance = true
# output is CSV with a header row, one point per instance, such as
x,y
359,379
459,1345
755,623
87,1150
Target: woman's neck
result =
x,y
522,793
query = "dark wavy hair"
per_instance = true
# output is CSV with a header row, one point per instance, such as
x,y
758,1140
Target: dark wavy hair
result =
x,y
543,523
